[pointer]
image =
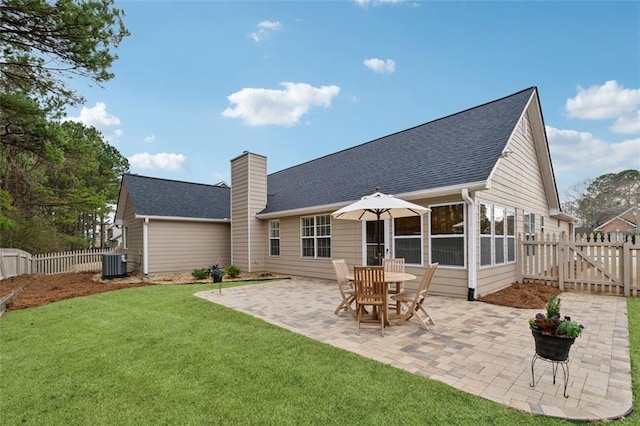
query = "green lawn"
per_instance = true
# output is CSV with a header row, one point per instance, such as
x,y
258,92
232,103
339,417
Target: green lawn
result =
x,y
159,355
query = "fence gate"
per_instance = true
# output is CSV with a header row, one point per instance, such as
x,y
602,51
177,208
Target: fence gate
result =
x,y
591,266
585,263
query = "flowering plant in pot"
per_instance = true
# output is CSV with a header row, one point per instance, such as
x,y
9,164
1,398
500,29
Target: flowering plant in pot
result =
x,y
216,273
554,334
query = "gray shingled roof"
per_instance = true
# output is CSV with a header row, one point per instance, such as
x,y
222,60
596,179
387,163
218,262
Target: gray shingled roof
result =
x,y
455,150
163,197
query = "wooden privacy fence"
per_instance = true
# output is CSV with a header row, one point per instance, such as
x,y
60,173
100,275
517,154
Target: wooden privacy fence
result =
x,y
16,262
584,263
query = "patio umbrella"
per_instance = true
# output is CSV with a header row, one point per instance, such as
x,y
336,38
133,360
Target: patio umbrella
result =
x,y
379,206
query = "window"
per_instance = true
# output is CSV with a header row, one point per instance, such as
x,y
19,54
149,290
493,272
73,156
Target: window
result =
x,y
447,235
315,233
274,238
407,239
497,235
499,232
529,228
529,224
511,235
486,230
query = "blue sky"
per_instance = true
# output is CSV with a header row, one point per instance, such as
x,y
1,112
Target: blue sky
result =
x,y
198,83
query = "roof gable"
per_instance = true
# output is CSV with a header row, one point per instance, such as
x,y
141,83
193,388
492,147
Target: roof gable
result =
x,y
627,217
170,198
459,149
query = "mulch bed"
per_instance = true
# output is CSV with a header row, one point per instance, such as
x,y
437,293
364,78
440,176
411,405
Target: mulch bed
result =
x,y
528,296
38,290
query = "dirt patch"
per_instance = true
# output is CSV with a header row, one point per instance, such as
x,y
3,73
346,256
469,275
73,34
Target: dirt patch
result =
x,y
528,296
38,290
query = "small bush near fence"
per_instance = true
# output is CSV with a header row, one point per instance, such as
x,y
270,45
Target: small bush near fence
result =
x,y
201,273
232,270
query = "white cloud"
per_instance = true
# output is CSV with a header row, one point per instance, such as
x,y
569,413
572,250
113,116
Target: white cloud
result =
x,y
260,107
600,102
162,161
381,66
100,118
265,29
365,3
627,124
150,138
96,116
574,151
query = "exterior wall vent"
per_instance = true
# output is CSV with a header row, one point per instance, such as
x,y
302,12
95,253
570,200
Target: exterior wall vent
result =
x,y
114,265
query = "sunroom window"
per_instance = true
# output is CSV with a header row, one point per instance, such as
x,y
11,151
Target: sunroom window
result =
x,y
447,235
497,235
407,239
486,231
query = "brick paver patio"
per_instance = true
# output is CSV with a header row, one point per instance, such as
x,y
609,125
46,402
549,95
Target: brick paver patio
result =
x,y
476,347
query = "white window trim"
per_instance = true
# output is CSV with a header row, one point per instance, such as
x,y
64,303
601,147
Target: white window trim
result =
x,y
464,235
315,237
125,237
489,236
510,237
494,236
271,237
401,237
506,237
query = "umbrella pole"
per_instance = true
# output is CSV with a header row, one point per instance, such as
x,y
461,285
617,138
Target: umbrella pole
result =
x,y
378,238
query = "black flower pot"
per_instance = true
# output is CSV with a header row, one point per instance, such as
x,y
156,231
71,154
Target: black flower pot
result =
x,y
553,348
217,278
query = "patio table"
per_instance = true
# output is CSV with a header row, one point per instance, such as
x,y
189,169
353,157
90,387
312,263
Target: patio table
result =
x,y
389,278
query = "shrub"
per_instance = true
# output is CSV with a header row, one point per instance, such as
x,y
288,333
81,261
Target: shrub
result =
x,y
232,270
200,273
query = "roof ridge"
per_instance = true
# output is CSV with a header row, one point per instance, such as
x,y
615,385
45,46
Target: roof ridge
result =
x,y
535,88
176,181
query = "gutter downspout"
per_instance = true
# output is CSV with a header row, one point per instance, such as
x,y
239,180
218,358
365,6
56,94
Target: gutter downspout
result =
x,y
471,243
145,248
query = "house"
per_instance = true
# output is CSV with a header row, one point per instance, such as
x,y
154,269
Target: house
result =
x,y
170,226
114,236
621,225
485,173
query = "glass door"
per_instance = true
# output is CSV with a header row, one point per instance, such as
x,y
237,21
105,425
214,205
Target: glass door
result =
x,y
373,232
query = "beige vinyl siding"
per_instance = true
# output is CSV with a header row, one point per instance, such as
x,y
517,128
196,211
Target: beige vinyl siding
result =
x,y
239,212
248,196
516,184
346,243
447,281
182,246
257,203
134,238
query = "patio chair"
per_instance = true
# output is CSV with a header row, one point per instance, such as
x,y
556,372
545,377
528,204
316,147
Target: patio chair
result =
x,y
347,292
370,291
412,302
394,265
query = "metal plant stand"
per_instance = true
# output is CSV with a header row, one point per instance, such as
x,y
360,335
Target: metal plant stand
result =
x,y
554,367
